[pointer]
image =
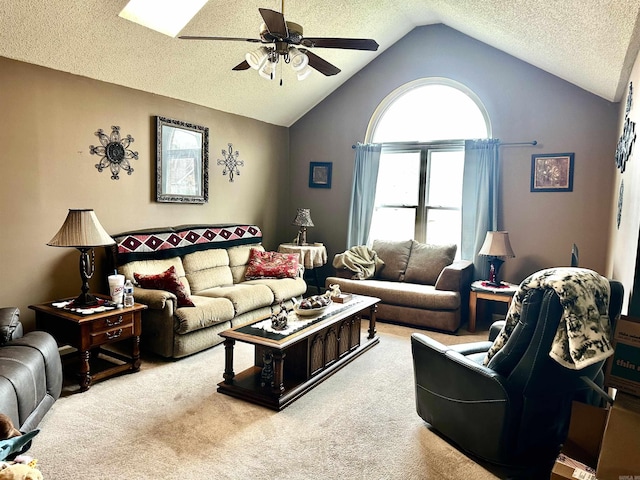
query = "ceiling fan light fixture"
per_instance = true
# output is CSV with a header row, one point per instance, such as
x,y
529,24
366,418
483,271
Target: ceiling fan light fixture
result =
x,y
304,73
257,58
298,59
267,71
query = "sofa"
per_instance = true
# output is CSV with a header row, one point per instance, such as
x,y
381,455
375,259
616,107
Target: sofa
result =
x,y
30,372
418,284
193,279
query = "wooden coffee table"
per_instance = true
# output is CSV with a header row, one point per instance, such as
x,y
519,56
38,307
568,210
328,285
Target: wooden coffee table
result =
x,y
289,364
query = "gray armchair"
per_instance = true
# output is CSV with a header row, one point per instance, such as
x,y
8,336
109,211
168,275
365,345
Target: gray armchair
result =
x,y
30,372
516,410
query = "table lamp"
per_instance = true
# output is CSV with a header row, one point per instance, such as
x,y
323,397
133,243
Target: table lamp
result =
x,y
496,244
302,220
83,231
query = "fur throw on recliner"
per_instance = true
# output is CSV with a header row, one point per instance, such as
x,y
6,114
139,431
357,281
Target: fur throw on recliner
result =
x,y
584,332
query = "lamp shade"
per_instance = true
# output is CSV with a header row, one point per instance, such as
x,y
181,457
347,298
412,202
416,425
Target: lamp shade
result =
x,y
81,228
298,59
303,218
496,244
257,58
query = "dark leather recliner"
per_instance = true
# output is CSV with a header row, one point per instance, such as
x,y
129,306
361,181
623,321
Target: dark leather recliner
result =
x,y
516,417
30,372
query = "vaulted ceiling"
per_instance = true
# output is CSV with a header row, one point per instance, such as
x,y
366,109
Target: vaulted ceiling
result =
x,y
591,44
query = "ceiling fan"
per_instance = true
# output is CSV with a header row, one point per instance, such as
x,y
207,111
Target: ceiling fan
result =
x,y
281,39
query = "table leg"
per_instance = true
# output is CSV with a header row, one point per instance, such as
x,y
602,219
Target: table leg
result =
x,y
228,361
372,321
315,273
278,372
473,300
135,356
85,372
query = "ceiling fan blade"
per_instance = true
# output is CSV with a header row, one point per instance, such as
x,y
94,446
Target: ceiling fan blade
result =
x,y
346,43
233,39
242,66
320,64
275,23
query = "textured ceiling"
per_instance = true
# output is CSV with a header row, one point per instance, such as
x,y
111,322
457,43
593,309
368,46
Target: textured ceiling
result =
x,y
591,43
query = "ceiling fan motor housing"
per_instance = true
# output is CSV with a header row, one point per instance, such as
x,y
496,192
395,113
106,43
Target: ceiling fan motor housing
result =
x,y
294,34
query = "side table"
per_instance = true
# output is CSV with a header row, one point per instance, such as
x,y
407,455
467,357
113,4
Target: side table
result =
x,y
88,333
312,256
491,294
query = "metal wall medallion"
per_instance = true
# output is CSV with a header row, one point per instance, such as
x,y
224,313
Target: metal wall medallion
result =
x,y
115,152
231,162
628,137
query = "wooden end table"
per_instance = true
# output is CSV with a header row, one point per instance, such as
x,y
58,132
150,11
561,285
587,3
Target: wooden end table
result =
x,y
89,333
480,292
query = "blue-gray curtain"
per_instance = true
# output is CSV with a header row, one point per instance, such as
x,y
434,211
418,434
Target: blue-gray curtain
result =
x,y
363,192
479,200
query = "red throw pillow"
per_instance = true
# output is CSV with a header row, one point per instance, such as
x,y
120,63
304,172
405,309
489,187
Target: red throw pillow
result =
x,y
271,265
168,281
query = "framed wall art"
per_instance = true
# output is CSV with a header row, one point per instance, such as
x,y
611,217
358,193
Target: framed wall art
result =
x,y
320,174
182,162
552,172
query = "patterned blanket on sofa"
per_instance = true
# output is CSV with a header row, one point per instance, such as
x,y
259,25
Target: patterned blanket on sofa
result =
x,y
584,332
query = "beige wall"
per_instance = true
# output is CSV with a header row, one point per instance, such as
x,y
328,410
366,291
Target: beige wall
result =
x,y
524,103
47,123
624,239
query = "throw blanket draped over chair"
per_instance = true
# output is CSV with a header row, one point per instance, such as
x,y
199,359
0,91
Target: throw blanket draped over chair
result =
x,y
584,332
359,259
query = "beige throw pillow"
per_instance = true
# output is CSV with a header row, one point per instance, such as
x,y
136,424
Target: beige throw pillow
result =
x,y
395,256
427,261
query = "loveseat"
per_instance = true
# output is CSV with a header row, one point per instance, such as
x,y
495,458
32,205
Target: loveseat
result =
x,y
418,284
200,277
30,372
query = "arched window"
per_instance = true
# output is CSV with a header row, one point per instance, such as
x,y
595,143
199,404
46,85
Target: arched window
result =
x,y
422,127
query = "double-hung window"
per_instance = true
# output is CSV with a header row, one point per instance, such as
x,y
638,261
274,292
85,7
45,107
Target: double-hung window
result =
x,y
419,193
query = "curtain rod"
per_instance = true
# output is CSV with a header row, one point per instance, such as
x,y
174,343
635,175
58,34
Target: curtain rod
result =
x,y
533,142
413,144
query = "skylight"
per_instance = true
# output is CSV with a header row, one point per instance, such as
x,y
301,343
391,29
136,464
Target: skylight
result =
x,y
164,16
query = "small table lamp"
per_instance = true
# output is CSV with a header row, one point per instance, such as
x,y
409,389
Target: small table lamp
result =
x,y
83,231
496,244
302,220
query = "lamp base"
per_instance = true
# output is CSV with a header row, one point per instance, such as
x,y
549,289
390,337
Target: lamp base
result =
x,y
85,300
494,265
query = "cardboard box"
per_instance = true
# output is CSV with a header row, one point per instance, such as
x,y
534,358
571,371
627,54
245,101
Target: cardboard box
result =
x,y
580,451
623,368
620,450
602,444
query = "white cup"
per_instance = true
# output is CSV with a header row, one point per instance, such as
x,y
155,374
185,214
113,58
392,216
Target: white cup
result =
x,y
116,288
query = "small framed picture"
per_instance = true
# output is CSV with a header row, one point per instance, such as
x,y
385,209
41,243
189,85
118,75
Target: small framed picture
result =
x,y
552,172
320,174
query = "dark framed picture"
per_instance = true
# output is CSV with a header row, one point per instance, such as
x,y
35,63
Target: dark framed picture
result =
x,y
182,162
320,174
552,172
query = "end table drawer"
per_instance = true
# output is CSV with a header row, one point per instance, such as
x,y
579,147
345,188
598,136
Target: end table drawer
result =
x,y
111,335
120,320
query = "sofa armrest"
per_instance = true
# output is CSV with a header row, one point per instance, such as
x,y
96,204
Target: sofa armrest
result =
x,y
344,273
10,326
455,277
156,299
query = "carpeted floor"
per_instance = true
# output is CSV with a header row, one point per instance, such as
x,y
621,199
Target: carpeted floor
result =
x,y
168,422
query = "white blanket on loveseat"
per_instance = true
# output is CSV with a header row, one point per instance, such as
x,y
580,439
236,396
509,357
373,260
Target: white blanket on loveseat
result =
x,y
584,332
